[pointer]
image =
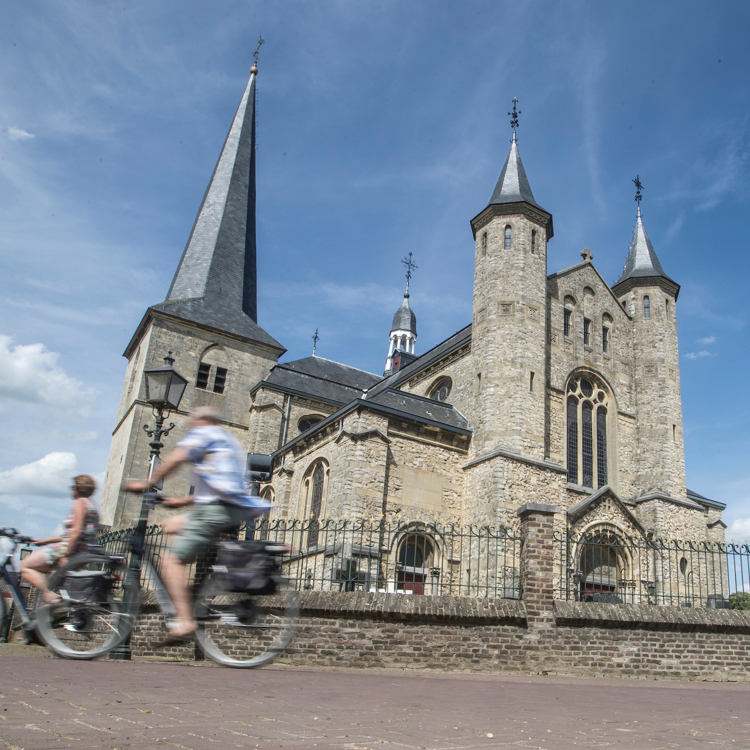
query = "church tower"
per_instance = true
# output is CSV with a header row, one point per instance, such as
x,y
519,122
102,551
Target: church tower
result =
x,y
208,321
509,313
403,336
648,295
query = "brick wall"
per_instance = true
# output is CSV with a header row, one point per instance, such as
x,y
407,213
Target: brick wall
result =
x,y
534,635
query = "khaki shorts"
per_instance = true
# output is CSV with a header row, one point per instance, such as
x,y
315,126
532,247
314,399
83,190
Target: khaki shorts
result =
x,y
203,527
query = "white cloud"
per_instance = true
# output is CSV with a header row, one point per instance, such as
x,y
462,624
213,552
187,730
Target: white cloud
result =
x,y
698,355
48,477
29,374
19,134
739,529
707,340
86,436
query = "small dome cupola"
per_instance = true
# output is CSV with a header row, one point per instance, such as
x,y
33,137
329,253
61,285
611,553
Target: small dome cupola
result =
x,y
403,335
405,319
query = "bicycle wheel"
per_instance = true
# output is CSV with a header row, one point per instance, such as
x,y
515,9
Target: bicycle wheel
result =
x,y
244,630
98,608
3,615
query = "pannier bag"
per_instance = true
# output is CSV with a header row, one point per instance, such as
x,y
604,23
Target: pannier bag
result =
x,y
248,566
86,586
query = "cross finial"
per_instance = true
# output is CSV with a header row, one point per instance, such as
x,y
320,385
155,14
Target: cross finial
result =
x,y
514,117
315,339
261,42
410,266
638,196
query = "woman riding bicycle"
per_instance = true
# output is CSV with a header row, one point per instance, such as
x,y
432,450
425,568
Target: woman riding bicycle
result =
x,y
81,529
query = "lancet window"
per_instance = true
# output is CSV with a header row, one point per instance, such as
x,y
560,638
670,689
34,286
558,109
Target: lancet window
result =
x,y
586,439
211,375
314,489
508,233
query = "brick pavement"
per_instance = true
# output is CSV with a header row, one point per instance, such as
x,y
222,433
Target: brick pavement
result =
x,y
52,703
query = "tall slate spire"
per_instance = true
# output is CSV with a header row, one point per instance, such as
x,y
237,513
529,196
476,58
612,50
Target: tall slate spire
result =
x,y
513,190
513,184
642,262
216,280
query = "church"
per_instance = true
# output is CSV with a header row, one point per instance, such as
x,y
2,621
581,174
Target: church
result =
x,y
560,391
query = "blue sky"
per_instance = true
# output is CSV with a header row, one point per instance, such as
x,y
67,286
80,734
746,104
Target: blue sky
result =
x,y
382,128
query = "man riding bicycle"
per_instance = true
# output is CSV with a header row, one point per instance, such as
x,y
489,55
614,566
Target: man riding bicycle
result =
x,y
222,503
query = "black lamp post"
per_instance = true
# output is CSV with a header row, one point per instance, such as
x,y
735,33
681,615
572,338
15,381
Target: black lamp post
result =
x,y
164,390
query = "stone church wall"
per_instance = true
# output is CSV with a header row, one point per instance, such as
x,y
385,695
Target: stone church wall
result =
x,y
495,487
671,521
425,481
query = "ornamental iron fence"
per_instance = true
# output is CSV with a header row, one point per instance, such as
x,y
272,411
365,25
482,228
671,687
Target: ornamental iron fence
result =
x,y
369,555
606,565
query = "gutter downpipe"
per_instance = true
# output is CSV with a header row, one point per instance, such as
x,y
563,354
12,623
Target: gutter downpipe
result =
x,y
286,426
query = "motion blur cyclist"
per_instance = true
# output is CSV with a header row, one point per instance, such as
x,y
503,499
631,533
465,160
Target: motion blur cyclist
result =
x,y
222,503
80,530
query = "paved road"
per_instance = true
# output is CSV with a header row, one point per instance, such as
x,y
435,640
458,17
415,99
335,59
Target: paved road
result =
x,y
51,703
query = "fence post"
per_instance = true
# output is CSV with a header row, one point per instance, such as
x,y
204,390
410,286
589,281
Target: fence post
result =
x,y
537,561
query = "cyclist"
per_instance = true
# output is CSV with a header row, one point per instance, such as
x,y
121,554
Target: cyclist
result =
x,y
81,529
221,499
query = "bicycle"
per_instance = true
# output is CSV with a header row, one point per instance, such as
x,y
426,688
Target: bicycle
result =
x,y
12,579
247,613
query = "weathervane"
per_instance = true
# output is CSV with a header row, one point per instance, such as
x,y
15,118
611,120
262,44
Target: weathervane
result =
x,y
261,42
638,196
315,339
514,117
410,266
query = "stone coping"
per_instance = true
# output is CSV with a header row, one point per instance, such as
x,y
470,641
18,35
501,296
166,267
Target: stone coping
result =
x,y
360,604
651,617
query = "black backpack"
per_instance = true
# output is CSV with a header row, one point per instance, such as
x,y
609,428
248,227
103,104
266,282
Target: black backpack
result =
x,y
248,566
86,586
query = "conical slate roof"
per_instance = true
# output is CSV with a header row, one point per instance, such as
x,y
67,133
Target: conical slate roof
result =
x,y
513,184
216,280
405,319
642,261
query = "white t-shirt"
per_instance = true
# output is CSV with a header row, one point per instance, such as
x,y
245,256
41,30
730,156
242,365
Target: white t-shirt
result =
x,y
219,468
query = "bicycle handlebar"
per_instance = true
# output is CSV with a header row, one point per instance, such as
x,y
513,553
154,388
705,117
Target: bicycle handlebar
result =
x,y
13,534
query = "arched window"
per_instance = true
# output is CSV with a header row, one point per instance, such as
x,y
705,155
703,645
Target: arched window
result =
x,y
601,446
646,307
606,331
262,522
587,444
586,438
314,486
533,241
569,303
506,244
484,243
212,375
441,390
573,439
307,422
